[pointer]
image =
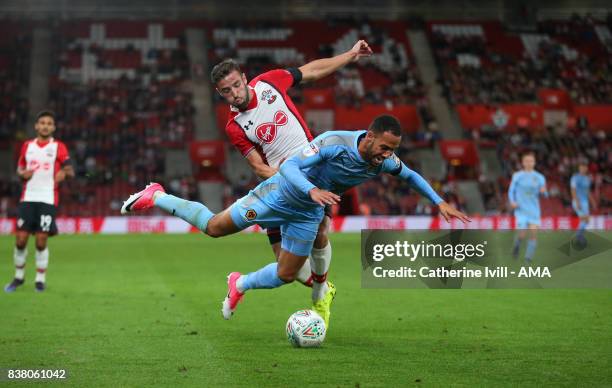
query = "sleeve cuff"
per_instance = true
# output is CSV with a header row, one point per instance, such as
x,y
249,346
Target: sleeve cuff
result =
x,y
245,154
296,74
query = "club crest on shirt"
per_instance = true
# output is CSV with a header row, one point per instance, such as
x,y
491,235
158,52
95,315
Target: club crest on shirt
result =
x,y
396,161
268,96
310,150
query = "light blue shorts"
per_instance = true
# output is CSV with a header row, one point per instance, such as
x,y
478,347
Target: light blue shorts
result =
x,y
523,219
584,208
266,207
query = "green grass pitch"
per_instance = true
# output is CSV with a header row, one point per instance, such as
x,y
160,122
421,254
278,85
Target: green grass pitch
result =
x,y
145,311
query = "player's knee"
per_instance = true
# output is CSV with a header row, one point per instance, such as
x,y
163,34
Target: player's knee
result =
x,y
219,225
21,244
41,246
287,275
213,229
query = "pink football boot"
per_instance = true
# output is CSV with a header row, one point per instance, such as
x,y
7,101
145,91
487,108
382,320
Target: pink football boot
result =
x,y
233,295
142,200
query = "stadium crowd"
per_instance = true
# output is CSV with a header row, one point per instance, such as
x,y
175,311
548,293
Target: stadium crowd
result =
x,y
15,45
118,129
511,79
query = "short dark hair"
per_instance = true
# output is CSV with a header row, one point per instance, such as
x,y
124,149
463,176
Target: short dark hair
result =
x,y
45,113
528,153
222,69
386,123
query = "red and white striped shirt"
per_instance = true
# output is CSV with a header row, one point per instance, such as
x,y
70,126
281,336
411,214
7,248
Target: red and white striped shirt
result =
x,y
271,123
45,159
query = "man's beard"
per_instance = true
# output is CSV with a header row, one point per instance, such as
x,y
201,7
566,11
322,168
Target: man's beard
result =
x,y
247,99
369,155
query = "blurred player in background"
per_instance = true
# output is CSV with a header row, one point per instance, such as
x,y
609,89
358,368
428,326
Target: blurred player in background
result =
x,y
43,164
265,126
524,194
295,197
580,186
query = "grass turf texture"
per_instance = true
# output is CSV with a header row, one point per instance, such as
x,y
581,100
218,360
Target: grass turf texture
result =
x,y
145,310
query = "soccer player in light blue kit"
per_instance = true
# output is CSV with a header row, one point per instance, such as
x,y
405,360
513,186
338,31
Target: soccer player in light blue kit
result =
x,y
294,199
524,194
580,185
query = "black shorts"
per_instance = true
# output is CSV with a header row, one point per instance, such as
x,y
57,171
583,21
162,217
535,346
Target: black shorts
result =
x,y
274,234
36,217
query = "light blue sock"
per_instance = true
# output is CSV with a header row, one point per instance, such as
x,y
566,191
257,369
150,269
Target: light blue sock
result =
x,y
265,277
517,243
531,247
195,213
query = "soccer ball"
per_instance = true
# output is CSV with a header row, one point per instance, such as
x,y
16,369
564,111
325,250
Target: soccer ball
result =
x,y
305,329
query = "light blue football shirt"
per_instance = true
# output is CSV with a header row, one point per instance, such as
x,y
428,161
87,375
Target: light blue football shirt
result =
x,y
525,189
582,185
332,162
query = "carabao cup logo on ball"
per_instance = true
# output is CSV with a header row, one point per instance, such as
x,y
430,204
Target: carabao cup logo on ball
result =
x,y
305,328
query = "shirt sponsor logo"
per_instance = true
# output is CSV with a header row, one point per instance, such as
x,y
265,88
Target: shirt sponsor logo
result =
x,y
266,132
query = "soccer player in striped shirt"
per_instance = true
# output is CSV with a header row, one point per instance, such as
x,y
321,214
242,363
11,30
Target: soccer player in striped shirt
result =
x,y
43,164
265,126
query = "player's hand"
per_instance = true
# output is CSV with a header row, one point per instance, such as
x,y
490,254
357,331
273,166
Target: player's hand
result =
x,y
26,174
324,197
60,176
361,49
513,205
447,211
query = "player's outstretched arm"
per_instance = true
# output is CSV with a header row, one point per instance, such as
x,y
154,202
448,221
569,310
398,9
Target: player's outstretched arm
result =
x,y
291,170
448,211
259,167
417,182
320,68
324,197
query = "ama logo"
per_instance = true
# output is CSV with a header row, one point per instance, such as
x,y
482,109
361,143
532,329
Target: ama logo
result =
x,y
266,132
